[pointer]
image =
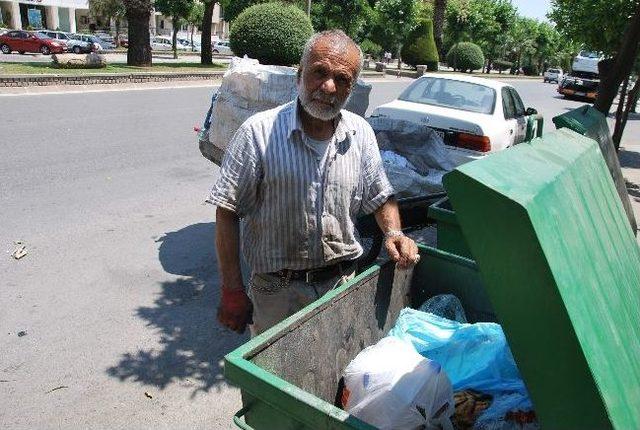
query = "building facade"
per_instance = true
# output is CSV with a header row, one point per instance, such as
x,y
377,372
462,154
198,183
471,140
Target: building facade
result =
x,y
73,16
66,15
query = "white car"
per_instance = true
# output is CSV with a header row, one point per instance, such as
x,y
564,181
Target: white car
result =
x,y
222,47
553,75
474,116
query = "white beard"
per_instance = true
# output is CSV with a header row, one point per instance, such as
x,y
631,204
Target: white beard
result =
x,y
312,104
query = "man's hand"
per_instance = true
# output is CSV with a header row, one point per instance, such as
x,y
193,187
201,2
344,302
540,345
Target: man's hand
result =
x,y
402,250
235,309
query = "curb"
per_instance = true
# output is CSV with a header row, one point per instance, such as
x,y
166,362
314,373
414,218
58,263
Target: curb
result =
x,y
105,78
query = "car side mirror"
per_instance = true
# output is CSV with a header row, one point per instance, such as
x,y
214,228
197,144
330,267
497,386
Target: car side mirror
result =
x,y
531,111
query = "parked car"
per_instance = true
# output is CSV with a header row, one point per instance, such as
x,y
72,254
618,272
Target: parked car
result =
x,y
105,37
553,75
474,116
72,45
96,42
161,43
187,45
123,39
221,47
25,41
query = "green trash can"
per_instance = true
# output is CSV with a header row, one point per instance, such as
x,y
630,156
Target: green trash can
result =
x,y
590,122
556,264
449,235
289,374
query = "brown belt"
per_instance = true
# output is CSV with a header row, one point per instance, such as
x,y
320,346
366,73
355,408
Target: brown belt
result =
x,y
317,275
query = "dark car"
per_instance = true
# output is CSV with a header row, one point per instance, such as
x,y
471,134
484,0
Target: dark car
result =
x,y
25,41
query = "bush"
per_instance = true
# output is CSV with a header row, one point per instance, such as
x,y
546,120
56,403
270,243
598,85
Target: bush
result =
x,y
530,70
501,65
465,56
273,33
420,48
371,48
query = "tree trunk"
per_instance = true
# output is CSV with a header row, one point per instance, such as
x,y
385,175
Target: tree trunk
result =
x,y
439,9
205,55
399,59
633,94
139,52
619,111
192,28
625,58
117,32
174,37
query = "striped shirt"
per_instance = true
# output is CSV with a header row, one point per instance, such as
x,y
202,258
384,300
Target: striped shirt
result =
x,y
294,215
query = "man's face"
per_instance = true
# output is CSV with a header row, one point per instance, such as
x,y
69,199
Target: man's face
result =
x,y
327,79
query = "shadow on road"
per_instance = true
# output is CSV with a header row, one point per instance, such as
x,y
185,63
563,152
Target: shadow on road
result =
x,y
192,343
629,159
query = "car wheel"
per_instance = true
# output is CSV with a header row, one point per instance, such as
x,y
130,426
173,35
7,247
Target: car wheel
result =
x,y
76,50
5,49
544,80
44,50
21,52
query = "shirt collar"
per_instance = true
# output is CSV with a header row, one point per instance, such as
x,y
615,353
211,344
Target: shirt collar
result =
x,y
343,131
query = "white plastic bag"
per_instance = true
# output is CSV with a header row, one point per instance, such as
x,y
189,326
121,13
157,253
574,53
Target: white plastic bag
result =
x,y
391,386
249,87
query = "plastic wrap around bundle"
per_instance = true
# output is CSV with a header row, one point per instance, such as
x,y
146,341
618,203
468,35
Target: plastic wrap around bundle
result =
x,y
428,159
249,87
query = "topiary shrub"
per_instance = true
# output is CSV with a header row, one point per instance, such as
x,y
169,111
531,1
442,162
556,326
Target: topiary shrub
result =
x,y
530,70
501,65
273,33
465,56
371,48
420,48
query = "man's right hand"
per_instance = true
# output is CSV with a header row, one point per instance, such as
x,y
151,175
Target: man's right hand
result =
x,y
235,309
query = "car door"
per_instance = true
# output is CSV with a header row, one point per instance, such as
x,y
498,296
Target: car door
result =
x,y
509,110
14,41
521,117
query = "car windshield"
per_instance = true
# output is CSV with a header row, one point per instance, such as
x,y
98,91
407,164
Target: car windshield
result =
x,y
451,93
41,36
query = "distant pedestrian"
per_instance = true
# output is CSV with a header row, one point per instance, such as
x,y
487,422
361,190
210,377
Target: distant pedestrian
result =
x,y
387,57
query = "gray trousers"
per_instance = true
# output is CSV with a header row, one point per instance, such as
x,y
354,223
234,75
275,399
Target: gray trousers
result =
x,y
274,300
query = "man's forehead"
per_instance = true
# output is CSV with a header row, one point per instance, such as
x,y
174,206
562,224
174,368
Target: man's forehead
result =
x,y
325,48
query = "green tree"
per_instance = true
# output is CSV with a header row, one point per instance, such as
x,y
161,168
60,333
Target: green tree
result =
x,y
194,17
420,48
177,10
397,18
138,13
109,9
613,28
347,15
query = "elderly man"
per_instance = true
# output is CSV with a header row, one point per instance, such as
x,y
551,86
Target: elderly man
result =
x,y
298,176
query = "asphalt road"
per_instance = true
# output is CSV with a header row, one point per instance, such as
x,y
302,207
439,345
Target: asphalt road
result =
x,y
109,320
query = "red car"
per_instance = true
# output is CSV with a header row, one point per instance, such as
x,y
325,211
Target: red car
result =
x,y
25,41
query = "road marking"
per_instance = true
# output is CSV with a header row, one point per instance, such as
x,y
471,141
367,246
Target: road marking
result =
x,y
82,89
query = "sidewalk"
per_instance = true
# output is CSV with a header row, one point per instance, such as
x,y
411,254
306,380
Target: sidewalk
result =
x,y
630,161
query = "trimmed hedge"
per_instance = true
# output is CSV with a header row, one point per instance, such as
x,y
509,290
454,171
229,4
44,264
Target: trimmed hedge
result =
x,y
420,48
371,48
501,65
465,56
273,33
531,70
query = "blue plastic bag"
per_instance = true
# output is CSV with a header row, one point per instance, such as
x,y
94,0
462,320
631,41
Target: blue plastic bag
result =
x,y
474,356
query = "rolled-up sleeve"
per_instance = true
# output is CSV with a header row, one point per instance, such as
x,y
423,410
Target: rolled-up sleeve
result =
x,y
377,188
236,188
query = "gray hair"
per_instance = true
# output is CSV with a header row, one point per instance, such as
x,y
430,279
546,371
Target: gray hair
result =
x,y
339,40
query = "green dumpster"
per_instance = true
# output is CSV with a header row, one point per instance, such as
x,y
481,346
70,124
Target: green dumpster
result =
x,y
449,237
557,266
592,123
289,374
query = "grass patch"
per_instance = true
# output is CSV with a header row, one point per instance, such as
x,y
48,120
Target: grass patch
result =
x,y
35,68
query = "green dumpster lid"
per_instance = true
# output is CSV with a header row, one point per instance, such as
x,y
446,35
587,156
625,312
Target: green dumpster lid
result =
x,y
562,268
592,123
